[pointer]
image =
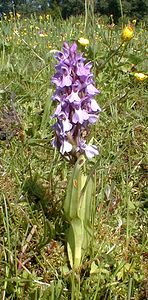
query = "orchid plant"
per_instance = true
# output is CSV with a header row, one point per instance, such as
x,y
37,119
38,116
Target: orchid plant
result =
x,y
76,110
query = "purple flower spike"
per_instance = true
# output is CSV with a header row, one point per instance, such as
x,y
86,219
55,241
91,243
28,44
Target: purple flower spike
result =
x,y
76,106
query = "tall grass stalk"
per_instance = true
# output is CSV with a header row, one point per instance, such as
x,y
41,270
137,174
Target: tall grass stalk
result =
x,y
121,10
130,288
89,16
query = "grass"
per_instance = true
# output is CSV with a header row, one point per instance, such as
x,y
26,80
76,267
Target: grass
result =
x,y
33,176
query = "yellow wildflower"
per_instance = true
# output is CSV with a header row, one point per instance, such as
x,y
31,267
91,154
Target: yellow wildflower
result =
x,y
18,15
140,76
42,33
35,45
84,42
127,33
16,32
11,14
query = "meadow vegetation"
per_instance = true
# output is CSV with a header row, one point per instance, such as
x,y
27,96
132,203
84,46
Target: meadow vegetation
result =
x,y
33,176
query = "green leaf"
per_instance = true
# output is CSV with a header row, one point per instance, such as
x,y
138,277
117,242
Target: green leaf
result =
x,y
90,194
86,212
135,59
78,208
74,242
131,205
94,268
74,188
45,118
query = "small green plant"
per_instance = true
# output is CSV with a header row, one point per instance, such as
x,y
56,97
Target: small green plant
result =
x,y
34,177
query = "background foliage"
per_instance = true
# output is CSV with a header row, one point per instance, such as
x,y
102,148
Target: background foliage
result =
x,y
65,8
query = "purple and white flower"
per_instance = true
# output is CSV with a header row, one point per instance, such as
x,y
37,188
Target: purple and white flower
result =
x,y
77,108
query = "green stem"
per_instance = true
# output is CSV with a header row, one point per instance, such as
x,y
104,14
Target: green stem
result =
x,y
111,56
72,285
129,288
75,285
123,52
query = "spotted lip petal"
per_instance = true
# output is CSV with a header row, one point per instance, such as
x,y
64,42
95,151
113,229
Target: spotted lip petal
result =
x,y
91,151
80,115
65,147
73,97
77,108
95,106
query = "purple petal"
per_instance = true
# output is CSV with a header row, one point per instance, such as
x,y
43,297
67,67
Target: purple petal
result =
x,y
65,147
92,118
77,86
65,46
82,70
88,65
91,151
74,97
54,143
73,48
80,115
57,111
66,81
89,79
66,125
59,55
91,90
56,80
95,106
